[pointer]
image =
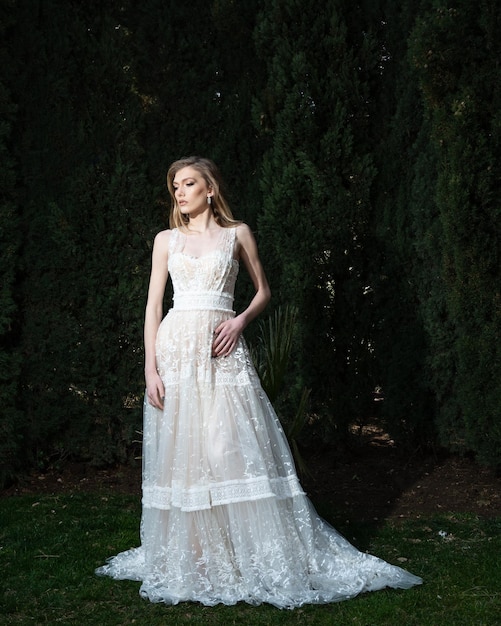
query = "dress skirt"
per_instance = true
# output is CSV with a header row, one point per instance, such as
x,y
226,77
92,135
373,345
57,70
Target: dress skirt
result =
x,y
224,516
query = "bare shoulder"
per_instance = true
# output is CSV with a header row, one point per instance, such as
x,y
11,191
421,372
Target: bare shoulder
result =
x,y
246,243
162,239
244,233
161,246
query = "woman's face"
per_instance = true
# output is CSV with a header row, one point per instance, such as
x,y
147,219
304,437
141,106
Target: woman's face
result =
x,y
190,191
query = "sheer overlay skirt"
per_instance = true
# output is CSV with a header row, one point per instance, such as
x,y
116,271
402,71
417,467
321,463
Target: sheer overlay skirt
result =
x,y
224,516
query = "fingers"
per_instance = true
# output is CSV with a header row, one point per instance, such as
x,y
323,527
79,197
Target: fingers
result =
x,y
160,402
156,396
225,340
222,346
156,401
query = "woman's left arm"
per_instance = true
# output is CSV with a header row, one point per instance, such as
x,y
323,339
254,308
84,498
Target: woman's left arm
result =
x,y
227,333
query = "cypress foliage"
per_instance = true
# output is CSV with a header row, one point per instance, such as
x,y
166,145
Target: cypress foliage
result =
x,y
463,96
85,222
196,85
175,71
113,207
316,209
10,418
407,228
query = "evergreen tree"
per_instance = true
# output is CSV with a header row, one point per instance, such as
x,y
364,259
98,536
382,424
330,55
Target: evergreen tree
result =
x,y
463,95
196,84
406,225
11,418
316,187
85,222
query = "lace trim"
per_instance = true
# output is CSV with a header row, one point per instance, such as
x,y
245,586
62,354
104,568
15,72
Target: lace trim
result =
x,y
229,492
242,379
203,300
228,238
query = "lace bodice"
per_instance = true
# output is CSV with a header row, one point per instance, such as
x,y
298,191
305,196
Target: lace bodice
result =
x,y
205,282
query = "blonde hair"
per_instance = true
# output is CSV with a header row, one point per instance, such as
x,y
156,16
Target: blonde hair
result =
x,y
210,173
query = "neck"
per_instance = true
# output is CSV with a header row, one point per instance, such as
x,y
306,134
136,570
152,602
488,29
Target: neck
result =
x,y
202,223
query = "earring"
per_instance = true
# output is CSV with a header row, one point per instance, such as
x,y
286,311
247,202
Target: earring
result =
x,y
209,200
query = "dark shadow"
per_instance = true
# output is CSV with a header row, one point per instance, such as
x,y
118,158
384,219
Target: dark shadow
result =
x,y
359,489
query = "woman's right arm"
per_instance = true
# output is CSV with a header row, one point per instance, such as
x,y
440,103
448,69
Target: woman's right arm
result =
x,y
153,316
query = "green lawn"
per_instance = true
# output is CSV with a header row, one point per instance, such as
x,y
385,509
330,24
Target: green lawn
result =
x,y
50,545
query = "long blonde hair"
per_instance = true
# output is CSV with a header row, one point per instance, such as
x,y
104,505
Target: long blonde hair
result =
x,y
210,173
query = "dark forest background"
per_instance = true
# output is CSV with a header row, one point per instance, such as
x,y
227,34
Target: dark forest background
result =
x,y
360,140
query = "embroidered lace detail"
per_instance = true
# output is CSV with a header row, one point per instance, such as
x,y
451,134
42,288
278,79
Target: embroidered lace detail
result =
x,y
232,491
194,499
255,489
224,517
208,300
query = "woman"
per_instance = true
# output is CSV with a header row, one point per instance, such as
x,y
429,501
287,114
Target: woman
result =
x,y
224,516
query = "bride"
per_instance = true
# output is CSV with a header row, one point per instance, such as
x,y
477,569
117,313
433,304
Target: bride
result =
x,y
224,517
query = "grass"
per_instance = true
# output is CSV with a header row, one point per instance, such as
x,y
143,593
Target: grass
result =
x,y
50,545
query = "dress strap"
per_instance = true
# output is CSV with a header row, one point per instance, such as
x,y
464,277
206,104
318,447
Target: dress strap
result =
x,y
228,241
175,241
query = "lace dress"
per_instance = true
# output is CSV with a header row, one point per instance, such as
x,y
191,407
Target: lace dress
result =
x,y
224,516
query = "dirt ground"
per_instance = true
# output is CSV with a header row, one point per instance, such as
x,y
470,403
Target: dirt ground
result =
x,y
373,481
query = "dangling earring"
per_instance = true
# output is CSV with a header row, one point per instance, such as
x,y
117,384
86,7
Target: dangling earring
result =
x,y
209,200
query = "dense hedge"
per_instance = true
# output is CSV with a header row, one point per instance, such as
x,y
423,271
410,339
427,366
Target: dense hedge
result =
x,y
361,142
462,95
11,418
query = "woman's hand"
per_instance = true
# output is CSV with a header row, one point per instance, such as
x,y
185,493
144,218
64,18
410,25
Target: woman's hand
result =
x,y
155,390
226,336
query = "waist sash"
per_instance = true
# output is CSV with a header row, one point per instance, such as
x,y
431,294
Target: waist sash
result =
x,y
203,300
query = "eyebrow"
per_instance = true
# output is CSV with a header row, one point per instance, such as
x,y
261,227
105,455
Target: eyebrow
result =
x,y
176,182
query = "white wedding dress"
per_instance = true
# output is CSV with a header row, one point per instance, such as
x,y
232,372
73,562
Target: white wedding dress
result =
x,y
224,516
